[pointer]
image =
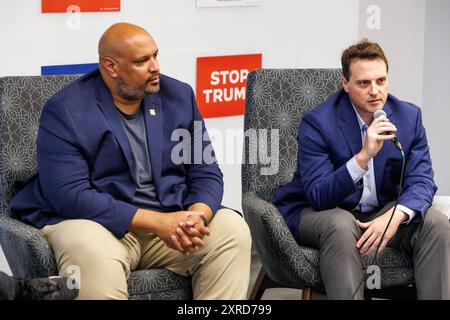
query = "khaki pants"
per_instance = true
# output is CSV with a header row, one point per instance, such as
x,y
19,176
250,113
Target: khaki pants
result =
x,y
219,270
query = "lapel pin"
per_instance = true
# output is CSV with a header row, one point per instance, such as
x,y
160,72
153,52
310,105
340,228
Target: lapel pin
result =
x,y
152,112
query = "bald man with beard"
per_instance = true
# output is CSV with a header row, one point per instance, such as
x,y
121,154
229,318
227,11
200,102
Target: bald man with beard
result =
x,y
112,197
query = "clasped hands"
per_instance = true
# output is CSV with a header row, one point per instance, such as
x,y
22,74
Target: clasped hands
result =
x,y
189,232
180,230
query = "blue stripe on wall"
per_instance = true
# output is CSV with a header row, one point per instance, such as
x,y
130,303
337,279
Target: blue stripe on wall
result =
x,y
68,69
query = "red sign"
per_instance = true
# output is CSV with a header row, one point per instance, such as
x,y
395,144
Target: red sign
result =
x,y
221,83
84,5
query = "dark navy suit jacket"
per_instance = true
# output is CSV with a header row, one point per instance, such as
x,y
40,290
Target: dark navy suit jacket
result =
x,y
84,157
329,136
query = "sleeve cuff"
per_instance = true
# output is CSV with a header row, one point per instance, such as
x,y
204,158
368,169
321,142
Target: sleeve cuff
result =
x,y
355,170
411,213
211,202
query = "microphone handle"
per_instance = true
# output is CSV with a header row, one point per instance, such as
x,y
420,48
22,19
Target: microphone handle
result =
x,y
397,143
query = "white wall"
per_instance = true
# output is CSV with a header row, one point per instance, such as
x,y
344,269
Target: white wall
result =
x,y
436,94
289,34
401,35
3,263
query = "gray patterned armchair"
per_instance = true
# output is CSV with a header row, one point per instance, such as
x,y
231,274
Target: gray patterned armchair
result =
x,y
26,249
277,99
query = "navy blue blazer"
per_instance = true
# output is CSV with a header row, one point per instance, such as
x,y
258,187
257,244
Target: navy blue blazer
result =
x,y
84,157
329,136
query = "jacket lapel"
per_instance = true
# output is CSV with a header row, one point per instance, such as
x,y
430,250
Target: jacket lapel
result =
x,y
349,123
153,116
106,104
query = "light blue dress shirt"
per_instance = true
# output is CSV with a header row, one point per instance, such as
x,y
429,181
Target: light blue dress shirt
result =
x,y
368,200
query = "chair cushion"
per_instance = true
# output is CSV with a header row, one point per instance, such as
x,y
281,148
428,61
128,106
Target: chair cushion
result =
x,y
395,265
158,284
26,249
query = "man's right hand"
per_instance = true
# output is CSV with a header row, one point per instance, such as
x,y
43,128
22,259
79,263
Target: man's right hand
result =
x,y
375,137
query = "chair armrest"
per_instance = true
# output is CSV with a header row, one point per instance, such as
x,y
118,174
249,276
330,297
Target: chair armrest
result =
x,y
442,203
283,259
26,249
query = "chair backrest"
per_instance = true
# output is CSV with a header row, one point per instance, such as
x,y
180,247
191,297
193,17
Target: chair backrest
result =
x,y
21,102
276,101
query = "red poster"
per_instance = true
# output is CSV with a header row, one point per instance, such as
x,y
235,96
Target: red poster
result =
x,y
221,83
84,5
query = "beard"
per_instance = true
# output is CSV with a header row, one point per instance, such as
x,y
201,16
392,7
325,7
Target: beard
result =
x,y
135,93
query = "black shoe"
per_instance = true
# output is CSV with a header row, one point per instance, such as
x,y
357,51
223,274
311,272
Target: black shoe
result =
x,y
52,288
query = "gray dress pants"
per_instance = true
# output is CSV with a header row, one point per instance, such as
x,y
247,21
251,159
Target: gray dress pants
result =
x,y
335,233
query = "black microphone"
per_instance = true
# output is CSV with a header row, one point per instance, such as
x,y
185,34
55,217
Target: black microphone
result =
x,y
397,143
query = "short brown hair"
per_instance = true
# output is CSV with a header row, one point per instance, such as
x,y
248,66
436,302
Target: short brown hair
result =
x,y
364,49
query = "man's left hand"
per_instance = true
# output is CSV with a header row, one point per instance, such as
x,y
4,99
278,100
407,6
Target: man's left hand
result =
x,y
374,230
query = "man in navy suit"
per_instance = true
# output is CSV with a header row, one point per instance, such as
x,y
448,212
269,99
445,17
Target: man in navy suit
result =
x,y
348,179
112,196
